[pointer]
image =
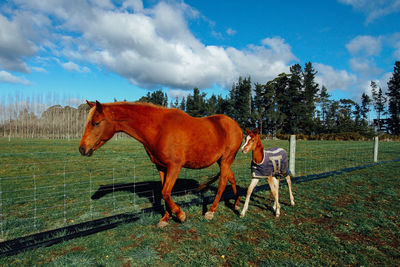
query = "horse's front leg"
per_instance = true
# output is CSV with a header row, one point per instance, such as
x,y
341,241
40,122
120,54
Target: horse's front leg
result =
x,y
169,181
252,185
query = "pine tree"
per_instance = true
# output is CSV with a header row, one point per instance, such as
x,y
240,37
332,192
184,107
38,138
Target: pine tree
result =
x,y
393,94
365,105
241,101
379,101
196,104
310,92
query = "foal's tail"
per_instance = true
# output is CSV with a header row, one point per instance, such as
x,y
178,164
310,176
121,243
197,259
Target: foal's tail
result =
x,y
206,184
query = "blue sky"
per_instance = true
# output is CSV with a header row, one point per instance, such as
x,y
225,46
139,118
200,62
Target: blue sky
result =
x,y
119,49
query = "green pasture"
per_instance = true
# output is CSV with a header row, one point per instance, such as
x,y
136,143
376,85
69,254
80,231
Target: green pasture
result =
x,y
348,219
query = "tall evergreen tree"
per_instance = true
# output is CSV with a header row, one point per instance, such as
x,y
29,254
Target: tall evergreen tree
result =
x,y
323,100
196,104
156,97
379,101
309,96
365,105
241,101
393,94
293,100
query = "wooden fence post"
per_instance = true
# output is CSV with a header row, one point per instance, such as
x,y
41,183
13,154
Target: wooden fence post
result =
x,y
376,144
292,156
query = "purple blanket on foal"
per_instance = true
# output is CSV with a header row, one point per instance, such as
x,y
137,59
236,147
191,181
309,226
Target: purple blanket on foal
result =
x,y
275,162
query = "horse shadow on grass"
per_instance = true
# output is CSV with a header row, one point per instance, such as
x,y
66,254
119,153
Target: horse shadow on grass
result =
x,y
150,190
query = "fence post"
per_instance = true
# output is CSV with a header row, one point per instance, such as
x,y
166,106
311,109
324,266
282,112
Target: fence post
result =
x,y
292,156
376,144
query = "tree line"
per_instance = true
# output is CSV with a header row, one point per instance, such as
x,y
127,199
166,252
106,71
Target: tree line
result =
x,y
291,103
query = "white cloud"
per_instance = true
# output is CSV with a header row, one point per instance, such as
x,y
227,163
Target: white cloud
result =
x,y
149,47
366,45
7,77
364,66
334,79
374,9
71,66
230,31
13,46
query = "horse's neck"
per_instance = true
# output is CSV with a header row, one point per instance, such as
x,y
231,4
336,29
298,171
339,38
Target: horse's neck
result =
x,y
137,121
258,153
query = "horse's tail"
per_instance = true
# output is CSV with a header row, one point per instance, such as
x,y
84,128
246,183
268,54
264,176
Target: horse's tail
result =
x,y
207,183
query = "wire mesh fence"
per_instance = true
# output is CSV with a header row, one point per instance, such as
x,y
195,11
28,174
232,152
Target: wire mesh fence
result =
x,y
46,184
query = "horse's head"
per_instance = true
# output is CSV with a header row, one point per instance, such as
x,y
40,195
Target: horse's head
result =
x,y
98,130
252,140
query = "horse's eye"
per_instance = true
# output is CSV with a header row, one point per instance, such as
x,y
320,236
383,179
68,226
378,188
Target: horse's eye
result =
x,y
96,123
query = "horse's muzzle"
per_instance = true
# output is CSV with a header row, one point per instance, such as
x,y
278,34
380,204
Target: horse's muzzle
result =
x,y
83,151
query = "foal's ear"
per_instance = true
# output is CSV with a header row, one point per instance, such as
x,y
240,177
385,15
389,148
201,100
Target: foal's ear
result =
x,y
99,107
256,131
91,104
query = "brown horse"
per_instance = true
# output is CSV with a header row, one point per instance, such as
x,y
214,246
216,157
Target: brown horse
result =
x,y
172,139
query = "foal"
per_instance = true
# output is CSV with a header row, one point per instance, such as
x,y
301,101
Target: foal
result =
x,y
266,164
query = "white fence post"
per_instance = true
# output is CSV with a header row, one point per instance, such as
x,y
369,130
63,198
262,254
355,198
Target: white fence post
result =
x,y
376,144
292,157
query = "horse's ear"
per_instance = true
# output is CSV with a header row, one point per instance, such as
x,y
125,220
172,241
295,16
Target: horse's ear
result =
x,y
99,107
248,131
91,104
256,131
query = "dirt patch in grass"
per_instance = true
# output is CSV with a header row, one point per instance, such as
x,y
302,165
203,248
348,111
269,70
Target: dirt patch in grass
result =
x,y
323,221
344,201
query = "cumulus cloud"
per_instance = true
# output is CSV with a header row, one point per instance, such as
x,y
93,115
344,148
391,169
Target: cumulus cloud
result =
x,y
13,46
71,66
365,66
374,9
334,79
150,47
367,45
6,77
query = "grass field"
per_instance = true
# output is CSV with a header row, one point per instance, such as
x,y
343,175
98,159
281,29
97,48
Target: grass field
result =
x,y
347,219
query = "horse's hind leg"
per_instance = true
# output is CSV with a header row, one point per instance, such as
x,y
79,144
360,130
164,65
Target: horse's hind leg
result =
x,y
225,172
232,180
169,181
289,182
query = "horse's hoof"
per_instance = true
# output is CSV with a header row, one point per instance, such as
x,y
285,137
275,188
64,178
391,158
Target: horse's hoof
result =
x,y
209,215
277,216
182,217
162,224
292,203
237,207
241,215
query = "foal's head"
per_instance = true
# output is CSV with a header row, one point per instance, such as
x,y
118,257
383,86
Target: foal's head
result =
x,y
252,140
99,129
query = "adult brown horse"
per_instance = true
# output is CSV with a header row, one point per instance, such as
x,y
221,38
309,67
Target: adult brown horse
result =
x,y
172,139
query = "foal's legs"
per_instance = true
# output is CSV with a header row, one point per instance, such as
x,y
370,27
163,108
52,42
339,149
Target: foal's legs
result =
x,y
272,181
289,182
169,181
253,184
